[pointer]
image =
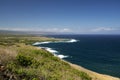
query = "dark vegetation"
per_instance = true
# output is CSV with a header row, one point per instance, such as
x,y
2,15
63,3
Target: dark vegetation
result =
x,y
19,61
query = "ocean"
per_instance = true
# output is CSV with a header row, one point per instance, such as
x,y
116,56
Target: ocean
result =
x,y
99,53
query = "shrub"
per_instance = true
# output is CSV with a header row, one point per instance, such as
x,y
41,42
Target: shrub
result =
x,y
35,79
24,60
85,76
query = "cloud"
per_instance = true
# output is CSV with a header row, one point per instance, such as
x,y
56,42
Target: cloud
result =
x,y
58,30
65,30
13,29
102,29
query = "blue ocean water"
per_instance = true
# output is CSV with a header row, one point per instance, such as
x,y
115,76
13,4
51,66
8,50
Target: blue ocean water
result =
x,y
99,53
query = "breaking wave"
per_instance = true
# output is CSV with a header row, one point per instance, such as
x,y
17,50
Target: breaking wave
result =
x,y
54,52
72,40
65,41
38,43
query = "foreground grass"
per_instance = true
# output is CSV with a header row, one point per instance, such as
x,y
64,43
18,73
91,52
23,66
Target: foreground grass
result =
x,y
20,61
29,63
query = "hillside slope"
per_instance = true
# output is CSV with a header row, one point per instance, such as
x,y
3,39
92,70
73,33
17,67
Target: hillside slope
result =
x,y
30,63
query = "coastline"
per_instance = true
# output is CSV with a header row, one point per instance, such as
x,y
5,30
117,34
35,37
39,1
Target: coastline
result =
x,y
55,52
94,75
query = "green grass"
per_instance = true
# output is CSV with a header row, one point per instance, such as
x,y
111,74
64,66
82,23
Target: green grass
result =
x,y
29,63
41,65
9,40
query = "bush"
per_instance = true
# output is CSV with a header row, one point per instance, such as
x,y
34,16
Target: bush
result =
x,y
35,79
85,76
24,60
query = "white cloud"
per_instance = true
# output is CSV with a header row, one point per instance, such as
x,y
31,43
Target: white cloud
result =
x,y
65,30
102,29
13,29
59,30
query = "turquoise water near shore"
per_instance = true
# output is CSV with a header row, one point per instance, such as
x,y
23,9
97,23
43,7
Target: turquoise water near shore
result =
x,y
99,53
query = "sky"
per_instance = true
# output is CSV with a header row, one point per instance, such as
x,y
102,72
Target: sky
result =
x,y
62,16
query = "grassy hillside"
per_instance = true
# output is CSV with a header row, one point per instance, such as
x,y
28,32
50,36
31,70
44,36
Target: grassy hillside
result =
x,y
20,61
8,40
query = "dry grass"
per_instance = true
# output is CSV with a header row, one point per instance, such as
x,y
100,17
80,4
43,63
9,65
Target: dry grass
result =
x,y
6,55
42,64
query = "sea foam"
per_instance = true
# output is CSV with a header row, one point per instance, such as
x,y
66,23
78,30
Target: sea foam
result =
x,y
62,56
47,42
51,50
55,52
72,40
38,43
